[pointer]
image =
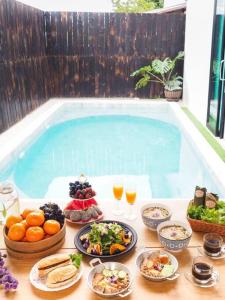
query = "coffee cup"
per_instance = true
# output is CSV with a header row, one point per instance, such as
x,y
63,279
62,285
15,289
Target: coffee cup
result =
x,y
213,244
202,270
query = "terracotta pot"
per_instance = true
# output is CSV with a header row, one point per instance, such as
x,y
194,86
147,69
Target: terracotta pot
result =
x,y
173,95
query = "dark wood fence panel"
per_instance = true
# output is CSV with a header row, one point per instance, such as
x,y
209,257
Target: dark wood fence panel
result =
x,y
73,54
23,63
93,54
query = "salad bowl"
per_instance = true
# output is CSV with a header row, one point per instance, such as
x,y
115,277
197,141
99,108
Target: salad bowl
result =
x,y
106,237
98,266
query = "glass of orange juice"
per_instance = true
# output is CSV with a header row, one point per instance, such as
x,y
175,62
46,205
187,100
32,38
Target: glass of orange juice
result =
x,y
118,193
131,195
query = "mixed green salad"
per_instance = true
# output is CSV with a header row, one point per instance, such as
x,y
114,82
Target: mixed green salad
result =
x,y
106,239
211,215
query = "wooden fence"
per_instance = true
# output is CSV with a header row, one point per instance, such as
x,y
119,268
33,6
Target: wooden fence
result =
x,y
58,54
93,54
22,61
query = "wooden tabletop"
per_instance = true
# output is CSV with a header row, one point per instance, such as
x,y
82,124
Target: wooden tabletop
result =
x,y
178,289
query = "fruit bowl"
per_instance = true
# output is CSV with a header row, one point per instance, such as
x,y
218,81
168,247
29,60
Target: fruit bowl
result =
x,y
47,246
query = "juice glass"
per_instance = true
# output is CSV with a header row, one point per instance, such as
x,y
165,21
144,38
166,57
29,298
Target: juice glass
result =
x,y
131,197
118,193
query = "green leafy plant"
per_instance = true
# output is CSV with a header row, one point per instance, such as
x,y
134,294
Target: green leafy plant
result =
x,y
161,71
210,215
136,6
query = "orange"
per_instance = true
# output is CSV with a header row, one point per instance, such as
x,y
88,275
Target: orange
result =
x,y
16,232
34,234
51,227
26,212
24,222
35,218
13,219
40,211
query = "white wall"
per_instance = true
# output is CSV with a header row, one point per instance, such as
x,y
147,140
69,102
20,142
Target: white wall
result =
x,y
198,39
168,3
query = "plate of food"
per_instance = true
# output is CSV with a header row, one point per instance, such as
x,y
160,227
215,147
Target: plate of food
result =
x,y
109,279
106,239
157,265
56,272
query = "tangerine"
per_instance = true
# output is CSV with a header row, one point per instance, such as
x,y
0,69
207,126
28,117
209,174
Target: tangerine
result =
x,y
26,212
35,218
16,232
51,227
34,234
13,219
24,222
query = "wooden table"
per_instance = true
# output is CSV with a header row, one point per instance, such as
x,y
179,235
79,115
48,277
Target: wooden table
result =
x,y
142,289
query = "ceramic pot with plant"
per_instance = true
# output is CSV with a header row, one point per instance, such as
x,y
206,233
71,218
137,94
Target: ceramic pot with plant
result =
x,y
162,71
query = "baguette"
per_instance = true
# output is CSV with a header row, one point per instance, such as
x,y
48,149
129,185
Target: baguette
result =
x,y
50,263
61,276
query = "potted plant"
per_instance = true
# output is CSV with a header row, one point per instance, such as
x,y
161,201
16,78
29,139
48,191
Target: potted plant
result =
x,y
162,71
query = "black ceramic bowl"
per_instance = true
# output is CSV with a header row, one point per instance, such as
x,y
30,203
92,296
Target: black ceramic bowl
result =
x,y
87,228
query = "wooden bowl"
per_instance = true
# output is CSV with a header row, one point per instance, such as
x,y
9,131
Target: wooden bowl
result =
x,y
36,249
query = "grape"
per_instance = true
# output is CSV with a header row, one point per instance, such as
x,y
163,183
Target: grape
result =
x,y
53,212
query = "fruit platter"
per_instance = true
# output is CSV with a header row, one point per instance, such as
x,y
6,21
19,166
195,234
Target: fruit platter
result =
x,y
83,209
106,239
35,232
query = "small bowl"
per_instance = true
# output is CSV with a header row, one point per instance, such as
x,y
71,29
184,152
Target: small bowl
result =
x,y
146,253
174,245
97,266
152,223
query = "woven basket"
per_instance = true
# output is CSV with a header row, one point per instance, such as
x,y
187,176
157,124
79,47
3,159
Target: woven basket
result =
x,y
203,226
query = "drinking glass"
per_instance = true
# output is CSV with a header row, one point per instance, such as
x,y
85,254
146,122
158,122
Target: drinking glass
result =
x,y
131,197
118,193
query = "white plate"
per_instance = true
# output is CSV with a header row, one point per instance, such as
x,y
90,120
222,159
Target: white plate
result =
x,y
39,283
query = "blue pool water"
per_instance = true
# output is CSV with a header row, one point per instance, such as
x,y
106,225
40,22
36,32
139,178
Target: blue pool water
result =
x,y
111,145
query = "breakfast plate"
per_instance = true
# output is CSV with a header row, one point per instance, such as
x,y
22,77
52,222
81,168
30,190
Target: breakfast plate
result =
x,y
108,234
40,282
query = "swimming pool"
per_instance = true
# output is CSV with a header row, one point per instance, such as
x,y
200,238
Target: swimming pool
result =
x,y
139,141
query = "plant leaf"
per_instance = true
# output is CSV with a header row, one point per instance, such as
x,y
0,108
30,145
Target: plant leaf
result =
x,y
162,67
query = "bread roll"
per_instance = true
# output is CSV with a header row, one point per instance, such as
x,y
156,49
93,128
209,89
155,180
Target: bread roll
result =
x,y
50,263
61,276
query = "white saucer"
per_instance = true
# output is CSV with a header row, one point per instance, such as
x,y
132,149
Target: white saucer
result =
x,y
209,284
220,256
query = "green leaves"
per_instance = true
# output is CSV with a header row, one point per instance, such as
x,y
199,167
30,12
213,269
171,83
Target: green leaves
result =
x,y
135,6
195,212
142,82
76,259
142,71
160,71
174,84
211,215
162,67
